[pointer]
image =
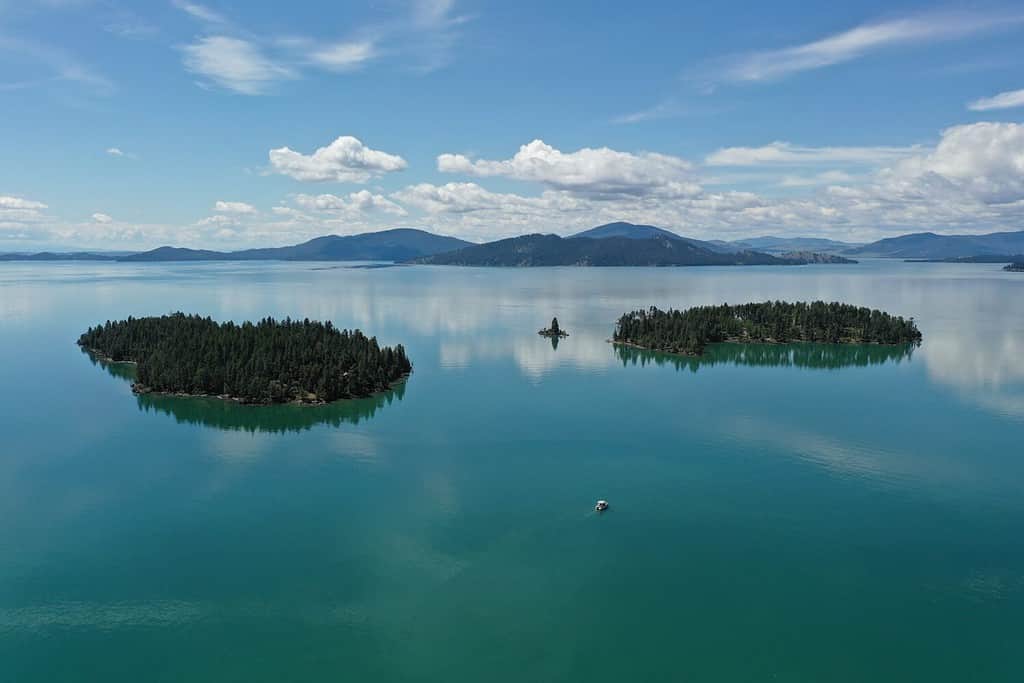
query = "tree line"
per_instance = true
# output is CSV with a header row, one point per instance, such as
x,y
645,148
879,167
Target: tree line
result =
x,y
270,361
691,330
802,355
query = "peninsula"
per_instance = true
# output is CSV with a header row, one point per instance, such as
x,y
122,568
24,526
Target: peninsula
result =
x,y
271,361
1015,267
773,322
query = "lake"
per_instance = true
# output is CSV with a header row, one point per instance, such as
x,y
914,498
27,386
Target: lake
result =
x,y
777,513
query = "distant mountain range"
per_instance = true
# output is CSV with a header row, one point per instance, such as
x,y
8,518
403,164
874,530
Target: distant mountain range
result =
x,y
617,243
639,232
928,245
58,256
774,245
617,250
399,244
768,245
629,230
984,258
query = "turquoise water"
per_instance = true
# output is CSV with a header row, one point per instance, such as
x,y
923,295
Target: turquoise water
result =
x,y
778,514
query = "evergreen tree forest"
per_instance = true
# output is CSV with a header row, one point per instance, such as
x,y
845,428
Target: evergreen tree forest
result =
x,y
271,361
689,331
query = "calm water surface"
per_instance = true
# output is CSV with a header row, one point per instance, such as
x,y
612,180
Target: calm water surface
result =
x,y
778,514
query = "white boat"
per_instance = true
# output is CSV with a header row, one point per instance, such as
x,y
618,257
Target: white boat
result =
x,y
601,506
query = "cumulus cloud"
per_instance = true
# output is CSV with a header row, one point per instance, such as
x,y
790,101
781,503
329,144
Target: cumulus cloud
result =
x,y
220,220
234,64
102,218
17,211
591,172
469,197
983,160
357,202
19,204
854,43
20,218
346,159
239,208
787,153
972,180
1004,100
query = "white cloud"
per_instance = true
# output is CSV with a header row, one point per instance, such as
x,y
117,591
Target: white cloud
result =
x,y
218,220
200,12
346,159
120,153
21,218
972,180
362,201
1004,100
824,178
344,56
855,43
982,160
429,13
422,35
102,218
591,172
234,64
469,197
132,28
786,153
19,204
238,208
662,110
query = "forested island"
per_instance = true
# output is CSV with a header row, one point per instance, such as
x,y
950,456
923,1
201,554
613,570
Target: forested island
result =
x,y
272,361
1015,267
690,331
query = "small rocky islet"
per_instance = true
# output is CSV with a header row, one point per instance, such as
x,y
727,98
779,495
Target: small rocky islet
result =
x,y
554,331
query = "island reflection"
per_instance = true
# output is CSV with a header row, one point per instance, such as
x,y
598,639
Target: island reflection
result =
x,y
813,356
278,418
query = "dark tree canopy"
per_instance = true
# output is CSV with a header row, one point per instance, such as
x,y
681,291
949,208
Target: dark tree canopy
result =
x,y
270,361
691,330
554,331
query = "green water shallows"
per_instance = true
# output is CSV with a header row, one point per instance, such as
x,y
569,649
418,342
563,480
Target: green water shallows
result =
x,y
799,513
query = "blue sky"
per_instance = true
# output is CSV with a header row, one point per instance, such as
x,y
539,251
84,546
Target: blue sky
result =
x,y
230,124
